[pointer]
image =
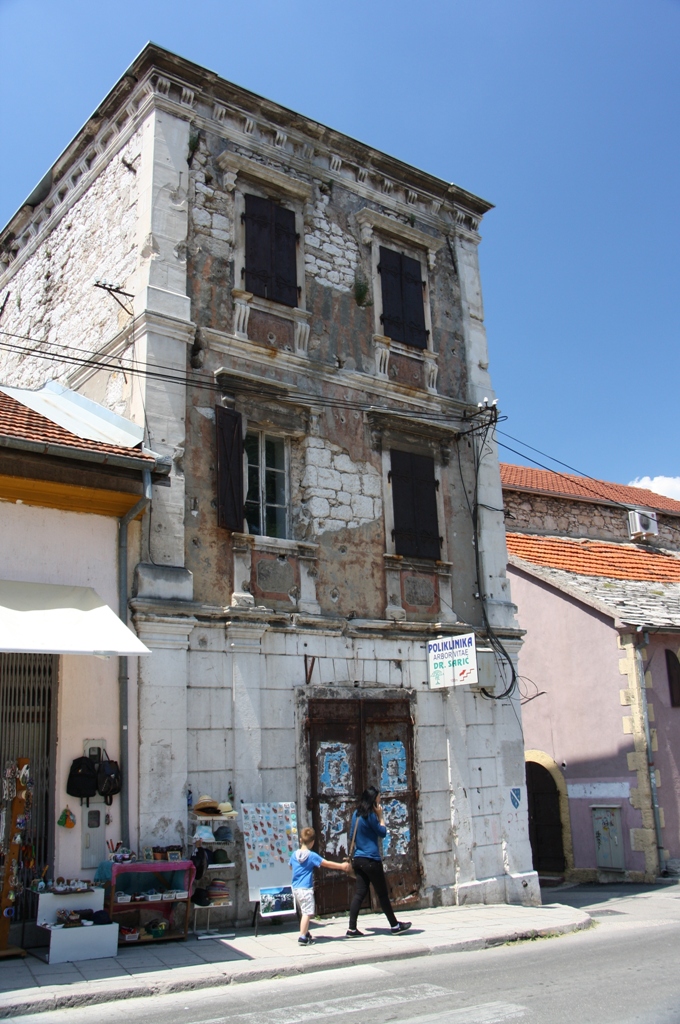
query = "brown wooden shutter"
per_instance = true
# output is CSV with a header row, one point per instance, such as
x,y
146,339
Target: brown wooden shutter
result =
x,y
673,667
416,529
412,303
390,279
229,469
259,246
284,260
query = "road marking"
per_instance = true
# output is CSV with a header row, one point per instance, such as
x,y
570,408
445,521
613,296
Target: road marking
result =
x,y
482,1013
337,1007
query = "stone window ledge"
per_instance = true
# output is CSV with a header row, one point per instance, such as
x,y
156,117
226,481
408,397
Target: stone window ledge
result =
x,y
277,545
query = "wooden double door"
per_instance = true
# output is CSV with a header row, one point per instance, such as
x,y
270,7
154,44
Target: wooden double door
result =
x,y
355,744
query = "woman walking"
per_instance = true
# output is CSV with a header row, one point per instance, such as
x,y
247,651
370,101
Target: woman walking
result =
x,y
367,831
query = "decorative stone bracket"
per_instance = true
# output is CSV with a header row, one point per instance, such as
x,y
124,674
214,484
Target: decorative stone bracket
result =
x,y
242,302
431,371
382,355
394,609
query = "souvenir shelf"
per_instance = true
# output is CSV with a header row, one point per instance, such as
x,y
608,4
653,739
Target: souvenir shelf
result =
x,y
82,942
172,882
206,819
229,869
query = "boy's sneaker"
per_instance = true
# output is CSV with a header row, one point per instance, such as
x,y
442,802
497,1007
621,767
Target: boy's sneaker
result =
x,y
401,926
354,933
310,937
304,940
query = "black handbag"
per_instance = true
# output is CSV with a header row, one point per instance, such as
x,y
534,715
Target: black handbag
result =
x,y
109,779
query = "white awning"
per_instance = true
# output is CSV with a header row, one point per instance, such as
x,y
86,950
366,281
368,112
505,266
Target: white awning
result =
x,y
44,618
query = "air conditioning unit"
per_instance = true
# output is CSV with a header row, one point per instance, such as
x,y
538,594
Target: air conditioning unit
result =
x,y
642,525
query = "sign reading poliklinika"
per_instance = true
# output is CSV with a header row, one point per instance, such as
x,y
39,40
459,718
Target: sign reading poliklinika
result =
x,y
452,661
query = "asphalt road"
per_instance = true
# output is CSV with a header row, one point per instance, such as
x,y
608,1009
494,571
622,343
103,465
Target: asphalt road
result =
x,y
624,970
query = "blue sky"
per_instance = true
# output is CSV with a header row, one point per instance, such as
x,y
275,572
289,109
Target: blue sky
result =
x,y
562,113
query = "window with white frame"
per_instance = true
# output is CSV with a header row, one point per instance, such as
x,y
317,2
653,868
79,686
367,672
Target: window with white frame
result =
x,y
266,504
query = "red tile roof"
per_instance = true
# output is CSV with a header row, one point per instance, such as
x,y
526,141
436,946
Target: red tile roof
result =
x,y
542,481
17,420
595,558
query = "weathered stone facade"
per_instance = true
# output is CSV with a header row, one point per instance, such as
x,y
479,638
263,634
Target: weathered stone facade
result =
x,y
247,629
563,517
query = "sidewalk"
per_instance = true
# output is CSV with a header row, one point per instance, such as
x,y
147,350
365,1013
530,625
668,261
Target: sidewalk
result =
x,y
31,986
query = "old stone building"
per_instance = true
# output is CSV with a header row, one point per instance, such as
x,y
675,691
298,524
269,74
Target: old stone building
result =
x,y
595,571
296,319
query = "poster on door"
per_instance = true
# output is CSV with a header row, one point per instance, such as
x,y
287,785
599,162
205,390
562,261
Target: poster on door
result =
x,y
452,661
270,835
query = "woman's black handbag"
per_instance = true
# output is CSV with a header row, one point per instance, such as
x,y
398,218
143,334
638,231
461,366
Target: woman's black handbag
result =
x,y
109,779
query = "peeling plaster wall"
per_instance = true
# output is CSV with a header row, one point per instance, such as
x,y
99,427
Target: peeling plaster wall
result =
x,y
331,254
337,493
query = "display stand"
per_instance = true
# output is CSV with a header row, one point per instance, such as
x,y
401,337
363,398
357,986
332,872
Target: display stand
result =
x,y
214,869
134,880
9,893
80,943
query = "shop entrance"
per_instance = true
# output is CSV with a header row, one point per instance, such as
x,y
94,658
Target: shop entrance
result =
x,y
28,700
355,744
545,823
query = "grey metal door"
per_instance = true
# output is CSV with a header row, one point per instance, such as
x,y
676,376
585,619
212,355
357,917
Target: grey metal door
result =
x,y
28,705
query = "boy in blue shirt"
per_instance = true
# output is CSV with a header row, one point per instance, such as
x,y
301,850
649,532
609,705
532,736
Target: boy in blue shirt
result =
x,y
303,863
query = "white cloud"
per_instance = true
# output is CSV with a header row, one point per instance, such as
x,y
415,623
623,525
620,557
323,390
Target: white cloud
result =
x,y
668,485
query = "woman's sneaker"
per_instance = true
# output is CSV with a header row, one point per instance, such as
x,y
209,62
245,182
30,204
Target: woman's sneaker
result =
x,y
354,933
310,937
401,926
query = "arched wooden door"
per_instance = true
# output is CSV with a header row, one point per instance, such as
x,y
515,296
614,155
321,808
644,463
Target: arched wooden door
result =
x,y
545,824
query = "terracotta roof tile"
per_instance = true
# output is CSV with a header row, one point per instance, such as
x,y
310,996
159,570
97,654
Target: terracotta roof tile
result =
x,y
17,420
542,481
595,558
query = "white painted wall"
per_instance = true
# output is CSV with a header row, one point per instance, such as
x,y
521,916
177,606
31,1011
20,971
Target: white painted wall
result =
x,y
40,545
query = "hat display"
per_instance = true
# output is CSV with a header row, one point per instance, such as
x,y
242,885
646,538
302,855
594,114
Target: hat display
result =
x,y
223,834
226,807
221,856
201,898
206,805
218,890
204,833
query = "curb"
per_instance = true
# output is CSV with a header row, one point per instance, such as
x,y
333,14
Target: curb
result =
x,y
96,992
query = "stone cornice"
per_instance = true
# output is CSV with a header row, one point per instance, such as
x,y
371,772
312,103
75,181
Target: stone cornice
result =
x,y
158,79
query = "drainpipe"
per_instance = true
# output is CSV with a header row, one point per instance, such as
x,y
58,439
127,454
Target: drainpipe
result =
x,y
123,523
650,757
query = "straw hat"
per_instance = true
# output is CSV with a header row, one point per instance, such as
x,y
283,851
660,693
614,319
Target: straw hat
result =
x,y
206,805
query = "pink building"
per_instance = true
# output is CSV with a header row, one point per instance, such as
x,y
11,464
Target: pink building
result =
x,y
595,572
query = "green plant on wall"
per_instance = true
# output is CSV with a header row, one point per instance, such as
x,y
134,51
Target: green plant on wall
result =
x,y
194,142
361,291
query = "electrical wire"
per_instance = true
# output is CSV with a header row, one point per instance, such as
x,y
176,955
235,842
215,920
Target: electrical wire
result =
x,y
480,452
79,357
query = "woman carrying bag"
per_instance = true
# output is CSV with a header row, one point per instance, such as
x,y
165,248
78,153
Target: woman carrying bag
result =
x,y
368,830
